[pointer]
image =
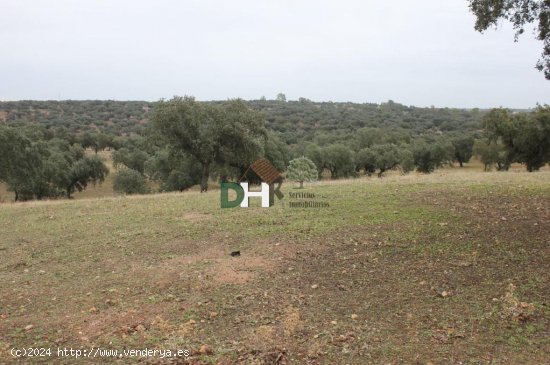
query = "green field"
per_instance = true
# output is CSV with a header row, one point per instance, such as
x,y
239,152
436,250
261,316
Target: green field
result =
x,y
447,268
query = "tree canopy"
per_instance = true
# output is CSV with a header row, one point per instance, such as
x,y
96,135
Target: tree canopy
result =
x,y
35,167
227,134
520,13
302,169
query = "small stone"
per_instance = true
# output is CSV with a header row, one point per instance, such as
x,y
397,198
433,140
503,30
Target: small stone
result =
x,y
354,316
140,328
205,350
334,322
29,327
94,310
191,321
444,294
213,314
314,286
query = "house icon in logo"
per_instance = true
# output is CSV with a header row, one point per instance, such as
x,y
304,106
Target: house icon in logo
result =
x,y
261,172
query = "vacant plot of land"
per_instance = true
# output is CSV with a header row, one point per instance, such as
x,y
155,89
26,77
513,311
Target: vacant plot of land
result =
x,y
449,268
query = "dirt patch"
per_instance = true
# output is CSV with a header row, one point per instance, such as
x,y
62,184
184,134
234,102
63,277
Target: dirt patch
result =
x,y
291,321
239,270
196,217
208,264
121,323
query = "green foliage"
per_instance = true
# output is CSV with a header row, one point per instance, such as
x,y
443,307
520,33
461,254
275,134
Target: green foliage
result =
x,y
90,140
366,159
295,121
500,127
302,169
385,157
88,170
281,97
227,134
15,152
221,139
429,155
463,145
133,159
532,143
105,141
36,169
276,151
520,13
128,181
368,137
174,171
339,160
490,153
524,137
406,160
315,154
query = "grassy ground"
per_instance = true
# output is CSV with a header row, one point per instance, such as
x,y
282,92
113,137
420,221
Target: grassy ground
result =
x,y
448,268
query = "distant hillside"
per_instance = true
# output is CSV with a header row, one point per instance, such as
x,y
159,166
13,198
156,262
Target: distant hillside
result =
x,y
118,117
295,120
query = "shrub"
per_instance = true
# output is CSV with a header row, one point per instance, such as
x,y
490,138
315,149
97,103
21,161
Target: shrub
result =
x,y
128,181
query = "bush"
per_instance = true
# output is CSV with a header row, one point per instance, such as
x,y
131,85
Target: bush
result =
x,y
128,181
302,169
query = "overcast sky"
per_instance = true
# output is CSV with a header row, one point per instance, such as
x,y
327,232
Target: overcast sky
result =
x,y
420,53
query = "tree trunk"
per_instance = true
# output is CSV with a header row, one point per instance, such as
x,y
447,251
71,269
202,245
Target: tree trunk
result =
x,y
460,162
381,172
204,178
16,194
301,184
69,192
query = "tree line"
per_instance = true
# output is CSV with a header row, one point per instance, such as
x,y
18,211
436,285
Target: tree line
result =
x,y
295,120
188,143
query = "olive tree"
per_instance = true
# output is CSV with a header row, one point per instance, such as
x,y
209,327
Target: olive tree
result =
x,y
302,169
227,133
129,181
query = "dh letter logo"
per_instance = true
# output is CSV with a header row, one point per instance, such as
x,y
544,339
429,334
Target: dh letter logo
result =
x,y
243,195
224,189
264,194
261,170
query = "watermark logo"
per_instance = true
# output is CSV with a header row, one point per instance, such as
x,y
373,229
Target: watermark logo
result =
x,y
261,171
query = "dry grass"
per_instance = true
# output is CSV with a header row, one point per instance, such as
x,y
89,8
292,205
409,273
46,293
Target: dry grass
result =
x,y
404,269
